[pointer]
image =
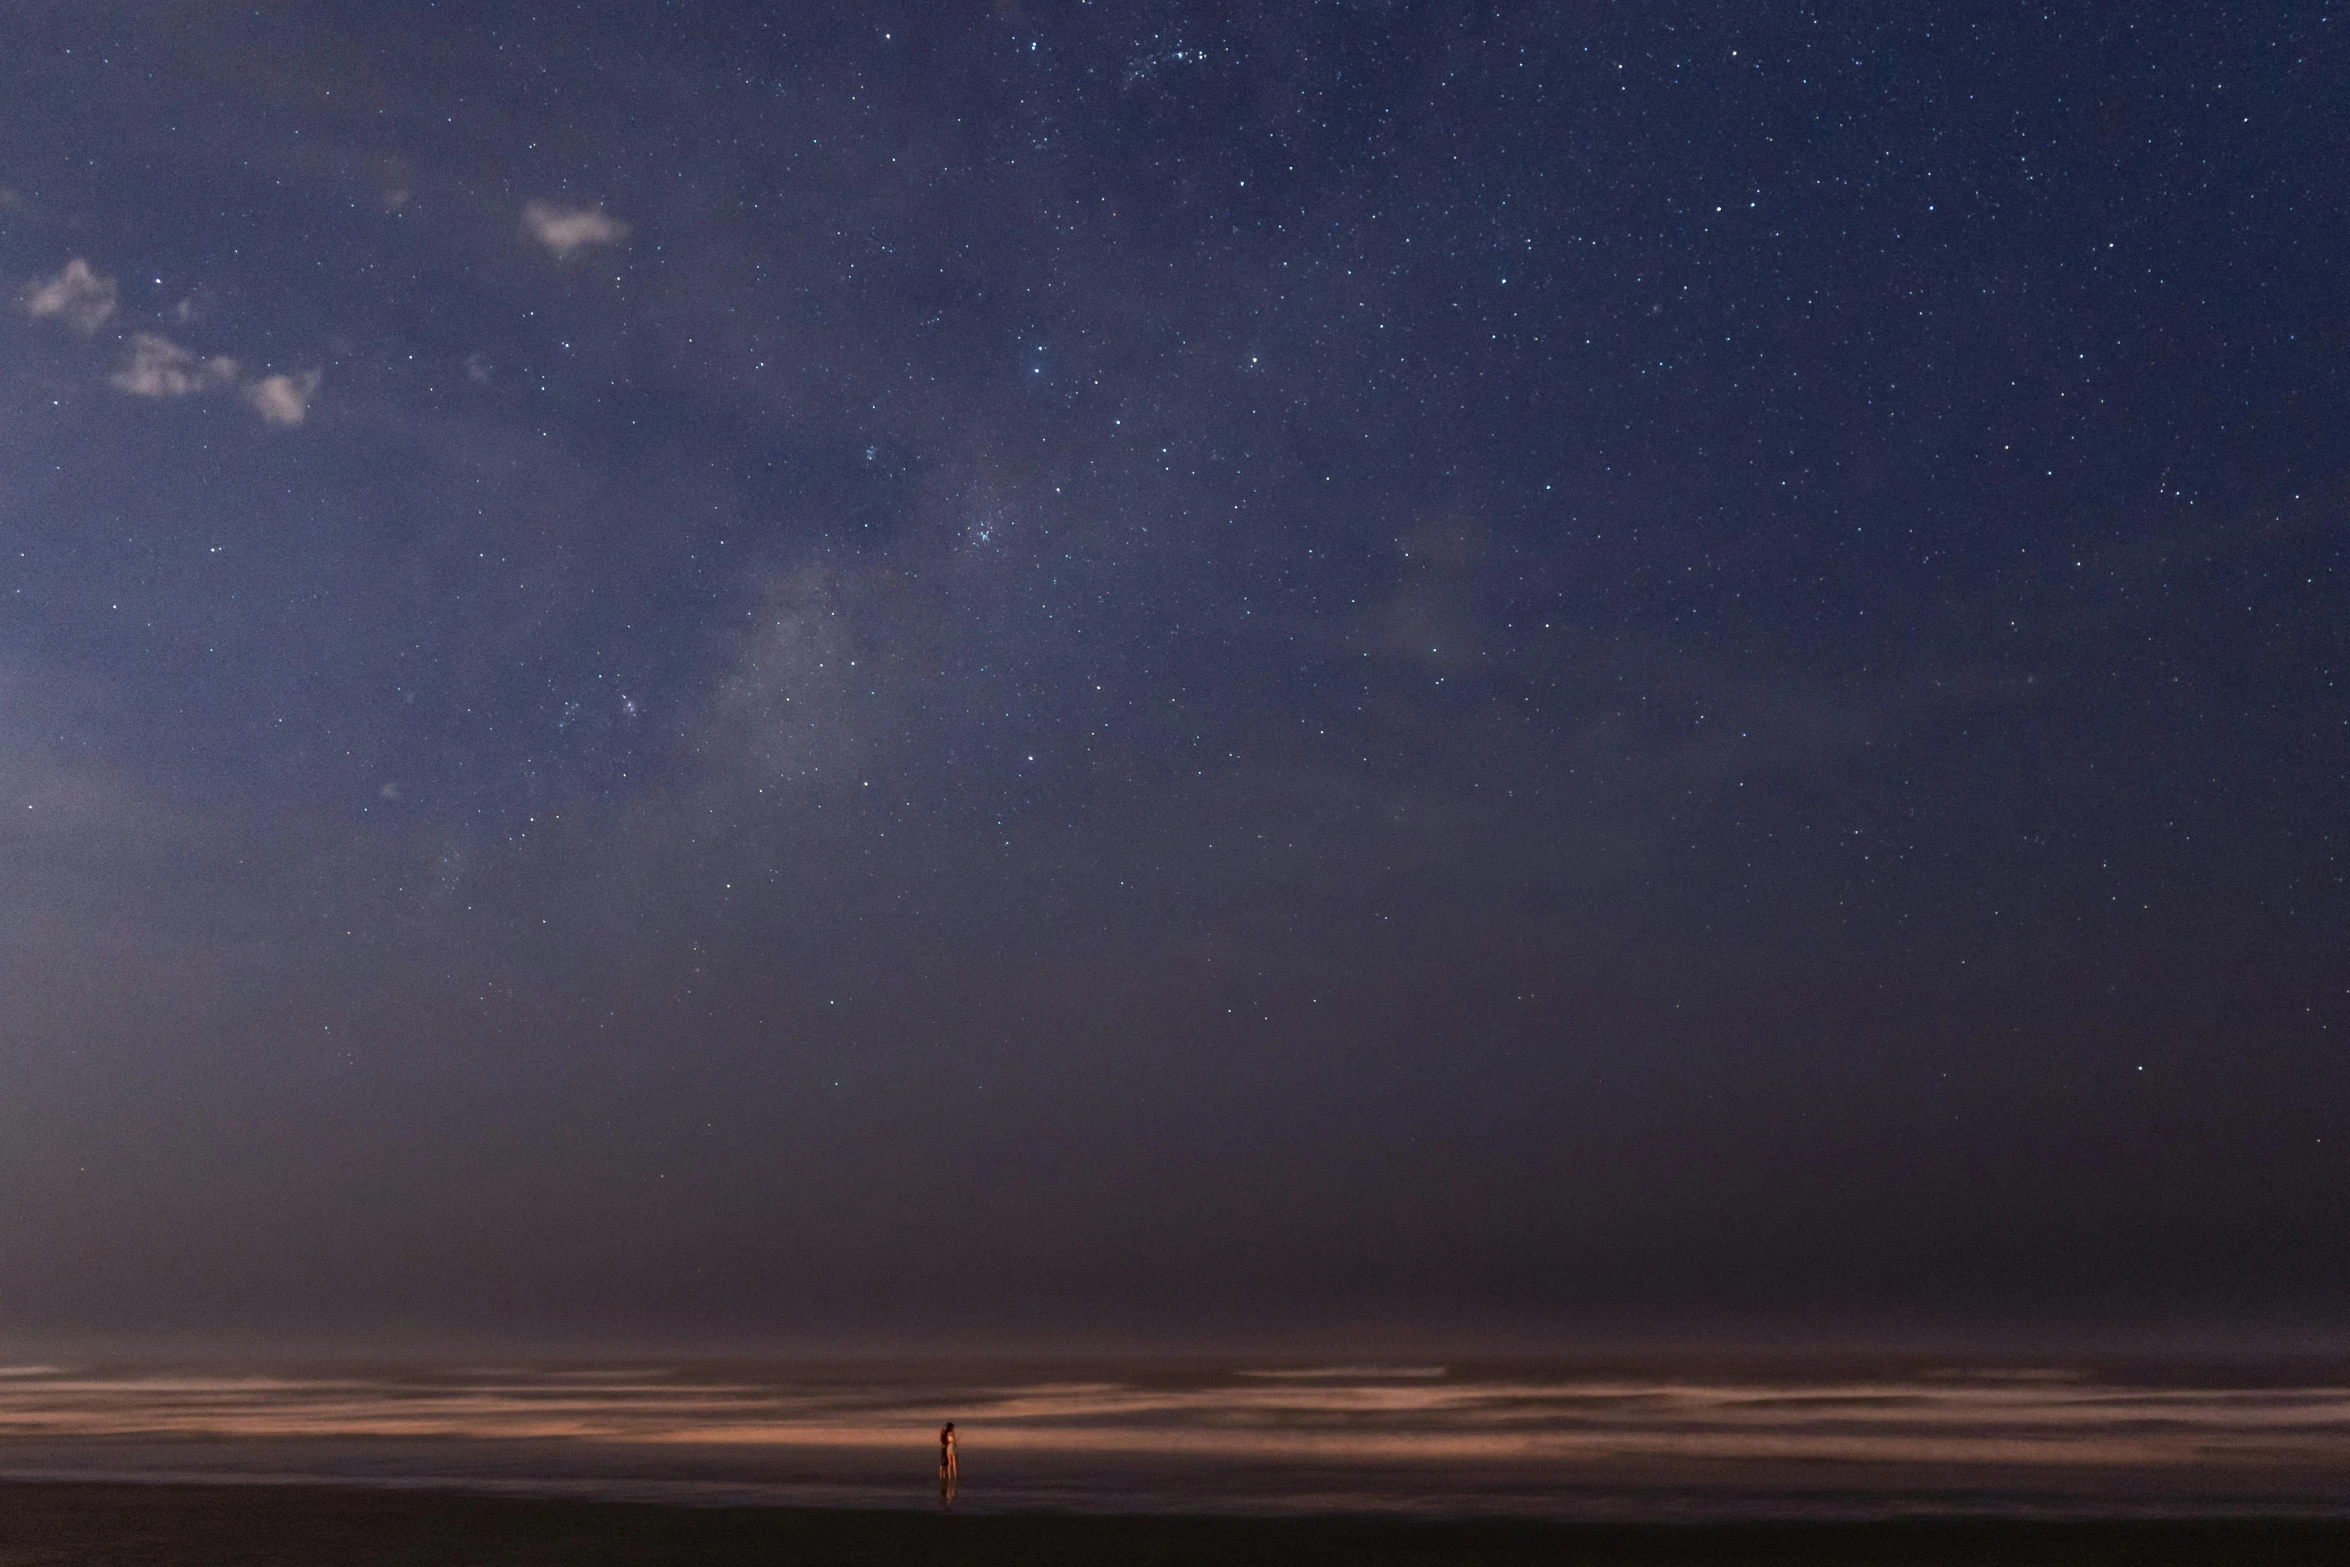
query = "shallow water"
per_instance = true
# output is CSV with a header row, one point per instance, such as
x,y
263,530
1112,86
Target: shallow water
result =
x,y
1524,1439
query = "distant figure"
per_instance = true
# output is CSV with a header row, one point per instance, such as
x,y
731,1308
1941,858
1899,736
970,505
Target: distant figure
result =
x,y
946,1464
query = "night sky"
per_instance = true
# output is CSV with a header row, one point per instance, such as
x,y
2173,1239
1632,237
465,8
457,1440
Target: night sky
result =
x,y
1056,673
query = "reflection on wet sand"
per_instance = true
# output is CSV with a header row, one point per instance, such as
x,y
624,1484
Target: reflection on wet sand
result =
x,y
1950,1432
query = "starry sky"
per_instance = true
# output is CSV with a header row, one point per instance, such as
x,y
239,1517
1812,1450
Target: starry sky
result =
x,y
1173,671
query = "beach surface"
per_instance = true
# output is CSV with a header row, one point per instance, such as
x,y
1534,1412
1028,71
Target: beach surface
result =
x,y
311,1526
172,1466
1536,1443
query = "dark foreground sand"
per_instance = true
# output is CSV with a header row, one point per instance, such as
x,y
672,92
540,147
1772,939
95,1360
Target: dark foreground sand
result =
x,y
279,1526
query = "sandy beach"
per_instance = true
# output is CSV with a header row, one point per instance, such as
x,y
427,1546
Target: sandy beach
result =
x,y
73,1525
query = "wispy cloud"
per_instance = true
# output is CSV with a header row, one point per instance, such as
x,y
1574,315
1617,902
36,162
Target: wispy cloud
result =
x,y
77,296
155,366
566,229
283,399
159,367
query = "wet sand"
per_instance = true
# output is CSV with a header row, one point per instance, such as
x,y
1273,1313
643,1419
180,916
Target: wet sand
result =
x,y
313,1526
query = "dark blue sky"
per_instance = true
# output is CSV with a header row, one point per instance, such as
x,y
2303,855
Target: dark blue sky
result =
x,y
1461,672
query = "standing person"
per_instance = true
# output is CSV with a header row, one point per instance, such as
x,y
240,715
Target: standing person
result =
x,y
946,1464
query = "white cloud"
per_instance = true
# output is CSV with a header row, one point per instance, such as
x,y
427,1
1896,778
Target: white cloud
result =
x,y
159,367
283,399
78,295
566,229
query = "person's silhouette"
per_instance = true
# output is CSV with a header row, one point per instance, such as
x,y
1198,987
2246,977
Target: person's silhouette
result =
x,y
946,1464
